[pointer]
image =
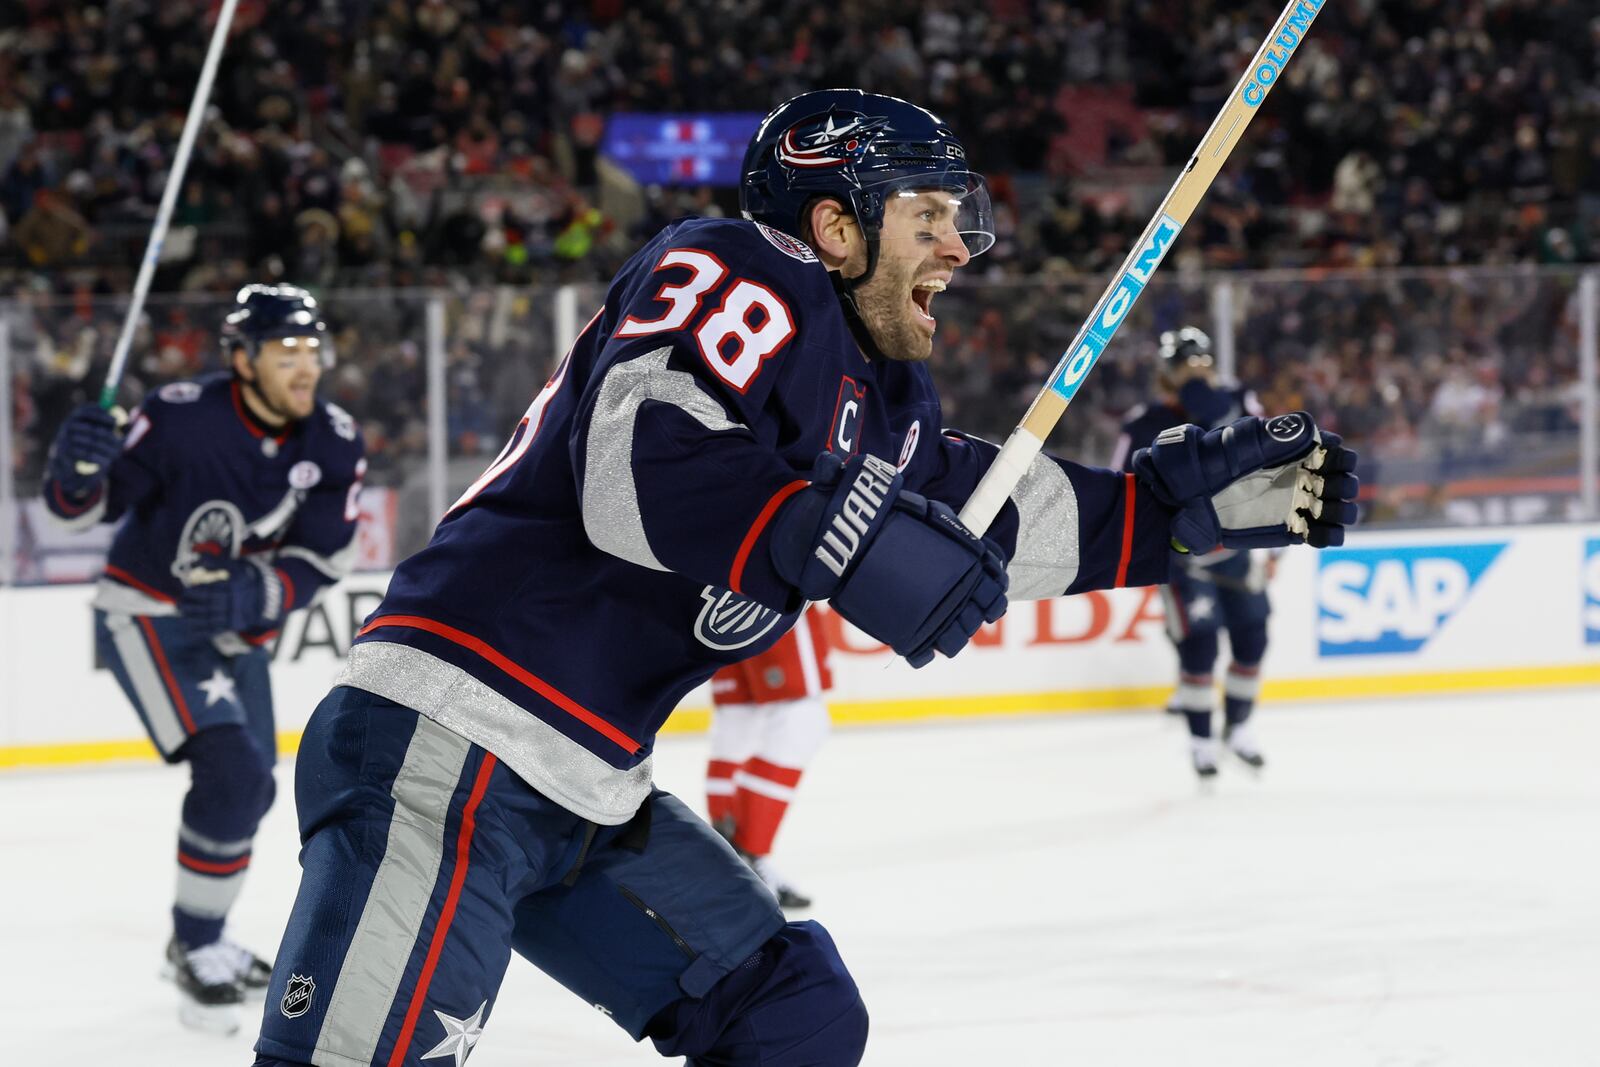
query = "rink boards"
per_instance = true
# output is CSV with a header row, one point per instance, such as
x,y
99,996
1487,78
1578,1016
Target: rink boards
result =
x,y
1424,612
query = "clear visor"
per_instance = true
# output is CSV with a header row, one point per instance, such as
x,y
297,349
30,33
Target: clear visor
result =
x,y
929,208
319,345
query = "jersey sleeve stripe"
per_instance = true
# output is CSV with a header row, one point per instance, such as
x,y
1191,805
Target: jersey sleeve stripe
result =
x,y
736,575
521,674
1129,496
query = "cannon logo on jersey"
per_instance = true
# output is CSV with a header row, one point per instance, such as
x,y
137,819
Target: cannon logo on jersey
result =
x,y
728,621
1381,601
1591,591
214,530
845,438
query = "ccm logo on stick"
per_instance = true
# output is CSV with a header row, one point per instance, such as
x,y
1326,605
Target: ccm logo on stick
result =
x,y
1114,309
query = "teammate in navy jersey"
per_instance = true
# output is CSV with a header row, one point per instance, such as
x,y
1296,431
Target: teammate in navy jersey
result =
x,y
744,426
1223,590
239,498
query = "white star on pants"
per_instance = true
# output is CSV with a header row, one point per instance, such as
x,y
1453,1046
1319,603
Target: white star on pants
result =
x,y
219,687
1200,607
459,1036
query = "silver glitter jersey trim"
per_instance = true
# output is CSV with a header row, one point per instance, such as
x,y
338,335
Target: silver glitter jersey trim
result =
x,y
1049,545
536,752
611,514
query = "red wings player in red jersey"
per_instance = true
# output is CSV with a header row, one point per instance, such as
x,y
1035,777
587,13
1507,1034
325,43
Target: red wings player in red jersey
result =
x,y
768,721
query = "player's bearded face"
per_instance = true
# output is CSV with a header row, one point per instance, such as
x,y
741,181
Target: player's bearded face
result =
x,y
919,250
286,376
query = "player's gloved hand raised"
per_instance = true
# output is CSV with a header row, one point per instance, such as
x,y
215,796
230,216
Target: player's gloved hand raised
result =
x,y
1255,483
84,447
232,594
899,566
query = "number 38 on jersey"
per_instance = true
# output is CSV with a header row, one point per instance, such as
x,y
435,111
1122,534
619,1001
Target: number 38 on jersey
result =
x,y
737,323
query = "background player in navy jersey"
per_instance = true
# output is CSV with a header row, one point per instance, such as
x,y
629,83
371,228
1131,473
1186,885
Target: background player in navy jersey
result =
x,y
1221,590
745,425
239,495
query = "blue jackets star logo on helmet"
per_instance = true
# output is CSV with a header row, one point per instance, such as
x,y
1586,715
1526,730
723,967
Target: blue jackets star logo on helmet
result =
x,y
831,145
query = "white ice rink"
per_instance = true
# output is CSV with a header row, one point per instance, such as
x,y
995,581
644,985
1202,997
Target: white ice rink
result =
x,y
1411,884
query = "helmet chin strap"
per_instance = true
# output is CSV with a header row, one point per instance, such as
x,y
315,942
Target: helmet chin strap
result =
x,y
845,289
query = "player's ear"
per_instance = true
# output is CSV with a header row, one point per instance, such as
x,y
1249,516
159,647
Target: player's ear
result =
x,y
834,233
241,364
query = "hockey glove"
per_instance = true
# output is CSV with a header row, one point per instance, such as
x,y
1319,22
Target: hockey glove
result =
x,y
232,594
1256,483
897,565
84,447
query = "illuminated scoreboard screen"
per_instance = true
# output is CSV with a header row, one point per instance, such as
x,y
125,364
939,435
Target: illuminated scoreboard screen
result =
x,y
702,148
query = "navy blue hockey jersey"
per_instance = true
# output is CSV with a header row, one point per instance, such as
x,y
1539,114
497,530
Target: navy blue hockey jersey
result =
x,y
198,475
1143,423
616,553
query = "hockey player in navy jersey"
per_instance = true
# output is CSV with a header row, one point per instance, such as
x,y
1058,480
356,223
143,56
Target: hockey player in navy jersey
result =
x,y
238,493
1222,590
744,426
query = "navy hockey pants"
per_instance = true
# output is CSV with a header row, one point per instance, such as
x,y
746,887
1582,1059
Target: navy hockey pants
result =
x,y
426,863
180,684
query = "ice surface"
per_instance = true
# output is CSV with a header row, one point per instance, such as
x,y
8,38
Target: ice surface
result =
x,y
1410,884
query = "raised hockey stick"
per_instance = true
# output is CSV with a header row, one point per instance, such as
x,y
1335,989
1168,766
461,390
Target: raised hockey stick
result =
x,y
169,197
1111,310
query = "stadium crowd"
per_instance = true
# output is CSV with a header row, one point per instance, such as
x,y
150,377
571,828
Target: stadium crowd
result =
x,y
454,145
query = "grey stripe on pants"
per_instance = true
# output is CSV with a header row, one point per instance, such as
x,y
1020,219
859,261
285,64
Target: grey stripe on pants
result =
x,y
147,684
395,909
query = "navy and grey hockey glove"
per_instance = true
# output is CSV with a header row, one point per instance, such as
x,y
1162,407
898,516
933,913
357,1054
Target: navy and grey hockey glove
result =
x,y
1255,483
84,447
897,565
232,594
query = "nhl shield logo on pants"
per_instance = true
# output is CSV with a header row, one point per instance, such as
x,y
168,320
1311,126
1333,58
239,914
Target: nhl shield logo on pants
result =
x,y
297,996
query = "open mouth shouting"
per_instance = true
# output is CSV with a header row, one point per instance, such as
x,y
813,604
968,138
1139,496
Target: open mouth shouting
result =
x,y
922,300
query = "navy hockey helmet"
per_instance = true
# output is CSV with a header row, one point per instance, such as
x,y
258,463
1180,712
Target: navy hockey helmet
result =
x,y
859,148
1186,347
274,313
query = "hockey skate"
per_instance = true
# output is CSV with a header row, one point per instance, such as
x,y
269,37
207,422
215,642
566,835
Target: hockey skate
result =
x,y
208,980
1240,739
251,971
1203,753
788,896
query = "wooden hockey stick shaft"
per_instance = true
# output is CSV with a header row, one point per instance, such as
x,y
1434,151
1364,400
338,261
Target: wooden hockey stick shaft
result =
x,y
1112,309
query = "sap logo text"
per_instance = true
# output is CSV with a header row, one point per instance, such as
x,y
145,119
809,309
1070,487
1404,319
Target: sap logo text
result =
x,y
1591,591
1383,601
1275,53
1114,307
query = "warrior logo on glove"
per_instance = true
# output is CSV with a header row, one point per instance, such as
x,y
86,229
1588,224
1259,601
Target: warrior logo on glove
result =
x,y
1286,428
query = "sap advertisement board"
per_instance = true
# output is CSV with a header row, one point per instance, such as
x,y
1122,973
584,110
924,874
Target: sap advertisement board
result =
x,y
1388,614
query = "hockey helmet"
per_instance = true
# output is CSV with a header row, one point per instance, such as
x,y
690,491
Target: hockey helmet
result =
x,y
860,148
274,313
1186,347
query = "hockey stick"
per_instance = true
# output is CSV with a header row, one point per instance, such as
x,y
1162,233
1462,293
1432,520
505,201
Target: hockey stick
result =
x,y
169,198
1111,310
